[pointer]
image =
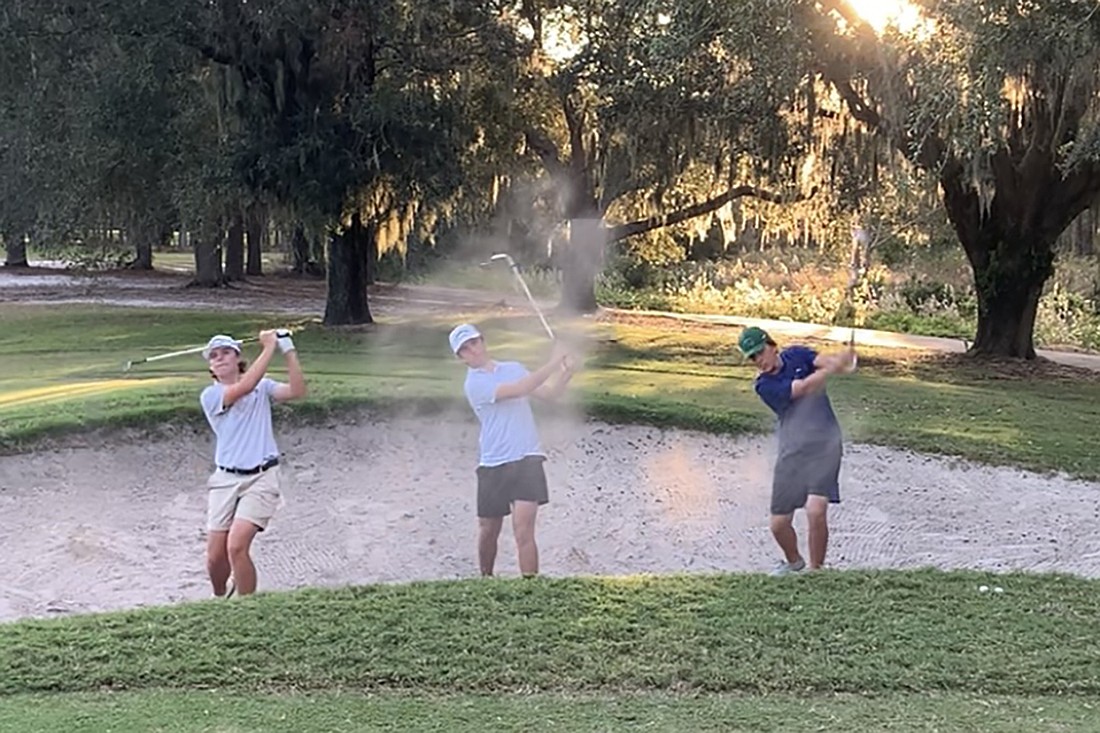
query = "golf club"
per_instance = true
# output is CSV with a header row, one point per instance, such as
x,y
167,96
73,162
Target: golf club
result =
x,y
131,364
196,350
852,346
515,269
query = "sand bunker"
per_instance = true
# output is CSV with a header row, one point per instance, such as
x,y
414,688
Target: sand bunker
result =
x,y
120,525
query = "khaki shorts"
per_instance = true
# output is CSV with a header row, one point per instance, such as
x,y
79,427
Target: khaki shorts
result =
x,y
254,498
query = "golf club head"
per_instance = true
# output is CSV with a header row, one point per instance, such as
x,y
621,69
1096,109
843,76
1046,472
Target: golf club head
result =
x,y
503,256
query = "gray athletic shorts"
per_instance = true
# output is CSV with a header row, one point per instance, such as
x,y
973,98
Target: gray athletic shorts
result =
x,y
810,469
499,486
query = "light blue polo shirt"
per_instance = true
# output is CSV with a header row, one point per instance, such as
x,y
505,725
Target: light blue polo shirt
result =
x,y
245,437
508,431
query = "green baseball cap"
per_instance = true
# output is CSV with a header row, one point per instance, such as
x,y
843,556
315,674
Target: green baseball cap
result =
x,y
753,340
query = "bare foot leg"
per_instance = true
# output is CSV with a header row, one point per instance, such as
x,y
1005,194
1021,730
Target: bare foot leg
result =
x,y
217,561
816,516
488,530
524,514
241,535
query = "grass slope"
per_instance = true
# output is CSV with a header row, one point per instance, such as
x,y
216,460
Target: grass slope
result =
x,y
851,632
169,711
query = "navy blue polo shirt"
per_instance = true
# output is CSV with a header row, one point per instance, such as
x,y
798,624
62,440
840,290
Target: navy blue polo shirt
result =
x,y
809,420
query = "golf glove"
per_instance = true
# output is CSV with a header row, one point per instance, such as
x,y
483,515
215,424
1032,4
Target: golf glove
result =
x,y
284,341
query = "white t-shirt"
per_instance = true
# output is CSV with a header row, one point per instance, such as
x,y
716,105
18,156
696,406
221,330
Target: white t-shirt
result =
x,y
245,437
508,431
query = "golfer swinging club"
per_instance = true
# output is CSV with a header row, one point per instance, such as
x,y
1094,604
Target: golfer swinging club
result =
x,y
807,469
510,475
245,488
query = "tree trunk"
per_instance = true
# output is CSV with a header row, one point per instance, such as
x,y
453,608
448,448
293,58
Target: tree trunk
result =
x,y
1012,257
1010,242
346,302
300,249
143,253
370,252
141,237
16,251
208,260
234,249
1008,278
582,262
257,228
1006,314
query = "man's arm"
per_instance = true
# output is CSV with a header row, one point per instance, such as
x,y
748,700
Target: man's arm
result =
x,y
253,374
297,381
835,363
825,365
296,386
813,383
552,390
528,384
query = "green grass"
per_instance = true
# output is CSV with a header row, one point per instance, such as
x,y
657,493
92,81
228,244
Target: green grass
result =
x,y
914,651
172,260
833,632
493,278
348,712
902,398
62,372
900,321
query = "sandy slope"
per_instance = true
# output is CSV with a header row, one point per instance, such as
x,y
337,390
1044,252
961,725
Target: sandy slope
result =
x,y
119,523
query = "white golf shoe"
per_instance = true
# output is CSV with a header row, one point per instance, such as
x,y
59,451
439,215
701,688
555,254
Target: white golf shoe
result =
x,y
787,568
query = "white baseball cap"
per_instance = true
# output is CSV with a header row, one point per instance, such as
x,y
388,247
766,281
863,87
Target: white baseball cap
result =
x,y
218,342
461,334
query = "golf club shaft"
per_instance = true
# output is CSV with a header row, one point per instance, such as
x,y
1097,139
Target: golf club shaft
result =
x,y
172,354
531,298
852,348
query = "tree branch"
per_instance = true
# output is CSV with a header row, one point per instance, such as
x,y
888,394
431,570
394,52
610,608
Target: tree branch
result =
x,y
930,150
546,150
641,226
575,125
845,11
860,109
1078,191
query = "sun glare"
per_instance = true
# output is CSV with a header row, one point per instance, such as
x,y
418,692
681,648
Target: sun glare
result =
x,y
881,13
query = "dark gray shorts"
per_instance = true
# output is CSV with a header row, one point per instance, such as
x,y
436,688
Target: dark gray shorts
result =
x,y
499,486
812,469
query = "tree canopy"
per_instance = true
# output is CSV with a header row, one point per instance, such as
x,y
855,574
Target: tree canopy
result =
x,y
361,126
